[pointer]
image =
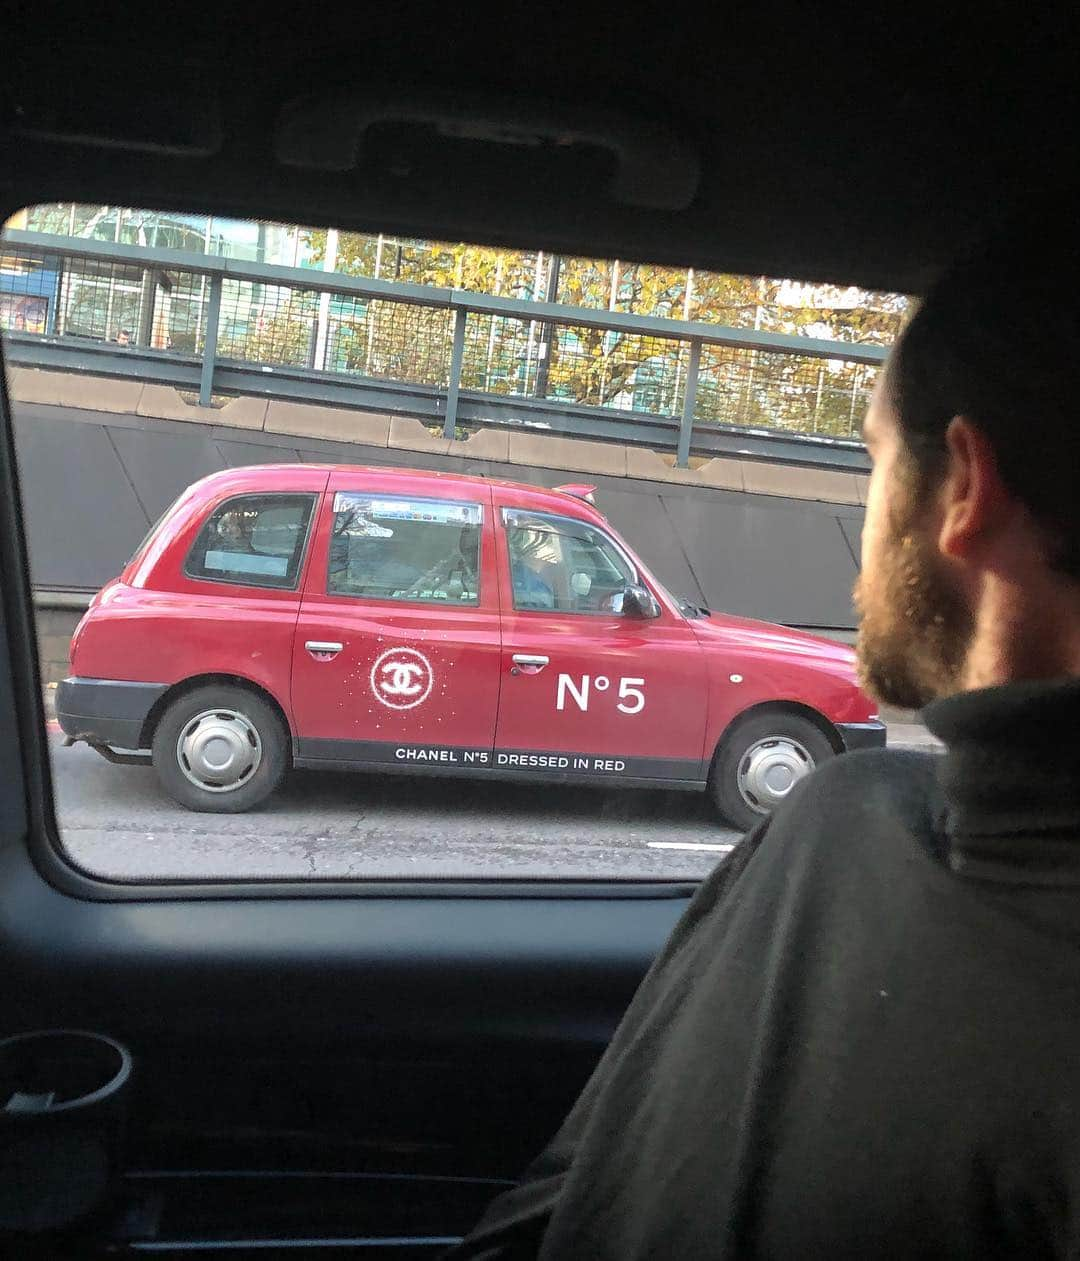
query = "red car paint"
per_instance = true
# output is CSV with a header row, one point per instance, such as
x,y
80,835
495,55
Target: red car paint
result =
x,y
624,698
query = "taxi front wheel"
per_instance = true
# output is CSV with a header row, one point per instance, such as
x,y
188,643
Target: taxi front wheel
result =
x,y
220,750
760,762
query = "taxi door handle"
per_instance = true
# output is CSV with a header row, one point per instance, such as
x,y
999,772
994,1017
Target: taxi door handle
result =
x,y
527,663
320,648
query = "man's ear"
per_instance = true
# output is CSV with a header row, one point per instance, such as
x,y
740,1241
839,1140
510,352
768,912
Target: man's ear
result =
x,y
974,499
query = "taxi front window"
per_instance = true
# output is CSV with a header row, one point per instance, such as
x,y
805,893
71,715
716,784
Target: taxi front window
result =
x,y
563,565
253,541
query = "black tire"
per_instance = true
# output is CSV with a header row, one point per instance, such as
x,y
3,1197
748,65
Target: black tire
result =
x,y
800,746
252,718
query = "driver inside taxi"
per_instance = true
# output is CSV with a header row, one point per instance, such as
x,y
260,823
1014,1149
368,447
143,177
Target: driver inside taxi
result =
x,y
531,589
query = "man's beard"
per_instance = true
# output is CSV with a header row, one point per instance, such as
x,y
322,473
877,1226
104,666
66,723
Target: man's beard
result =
x,y
915,627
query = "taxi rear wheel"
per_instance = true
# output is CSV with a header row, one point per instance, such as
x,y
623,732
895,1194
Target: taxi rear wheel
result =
x,y
761,761
220,750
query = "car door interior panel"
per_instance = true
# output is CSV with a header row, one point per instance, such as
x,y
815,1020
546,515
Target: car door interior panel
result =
x,y
318,1067
384,1036
329,1067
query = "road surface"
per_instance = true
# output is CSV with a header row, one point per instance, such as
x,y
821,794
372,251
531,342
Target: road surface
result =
x,y
116,822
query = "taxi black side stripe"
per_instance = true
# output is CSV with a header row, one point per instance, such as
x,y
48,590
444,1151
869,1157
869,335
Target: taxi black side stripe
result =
x,y
523,763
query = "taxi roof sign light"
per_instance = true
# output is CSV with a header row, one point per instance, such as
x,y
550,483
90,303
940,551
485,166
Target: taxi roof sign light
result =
x,y
580,491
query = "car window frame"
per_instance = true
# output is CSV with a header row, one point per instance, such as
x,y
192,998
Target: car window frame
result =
x,y
245,581
476,605
540,513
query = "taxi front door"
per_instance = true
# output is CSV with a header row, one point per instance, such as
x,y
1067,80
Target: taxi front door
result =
x,y
587,692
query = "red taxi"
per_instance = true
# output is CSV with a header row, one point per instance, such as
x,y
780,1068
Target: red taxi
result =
x,y
373,619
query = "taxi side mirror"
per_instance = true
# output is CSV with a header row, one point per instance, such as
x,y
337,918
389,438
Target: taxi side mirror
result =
x,y
636,601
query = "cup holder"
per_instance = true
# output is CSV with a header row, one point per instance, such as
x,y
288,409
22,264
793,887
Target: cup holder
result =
x,y
63,1099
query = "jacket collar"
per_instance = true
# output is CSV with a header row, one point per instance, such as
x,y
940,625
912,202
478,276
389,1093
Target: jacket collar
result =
x,y
1010,779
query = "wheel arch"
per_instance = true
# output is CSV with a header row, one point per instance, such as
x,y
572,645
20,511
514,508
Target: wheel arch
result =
x,y
794,708
222,679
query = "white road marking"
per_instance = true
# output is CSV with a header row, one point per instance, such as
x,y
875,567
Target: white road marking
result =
x,y
720,849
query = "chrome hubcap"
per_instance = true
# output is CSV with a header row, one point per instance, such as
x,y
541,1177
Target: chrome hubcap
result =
x,y
218,750
770,769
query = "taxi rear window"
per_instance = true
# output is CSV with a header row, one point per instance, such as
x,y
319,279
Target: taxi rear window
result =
x,y
253,541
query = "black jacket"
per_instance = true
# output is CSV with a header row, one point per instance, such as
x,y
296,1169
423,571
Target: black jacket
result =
x,y
863,1038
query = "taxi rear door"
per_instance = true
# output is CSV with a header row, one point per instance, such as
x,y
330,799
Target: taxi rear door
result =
x,y
396,659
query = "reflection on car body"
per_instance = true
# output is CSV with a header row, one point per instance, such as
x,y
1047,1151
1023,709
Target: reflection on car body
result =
x,y
334,617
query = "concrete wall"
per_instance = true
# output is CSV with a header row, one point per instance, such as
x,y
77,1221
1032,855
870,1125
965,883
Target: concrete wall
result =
x,y
54,630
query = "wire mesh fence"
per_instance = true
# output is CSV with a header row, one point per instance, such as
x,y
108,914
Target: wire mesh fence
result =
x,y
501,355
159,308
181,302
389,341
801,394
606,368
103,301
108,302
271,324
28,291
575,364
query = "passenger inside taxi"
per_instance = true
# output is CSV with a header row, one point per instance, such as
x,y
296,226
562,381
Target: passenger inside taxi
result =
x,y
456,576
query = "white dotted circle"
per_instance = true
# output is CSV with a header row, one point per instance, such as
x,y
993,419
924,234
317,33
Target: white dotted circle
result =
x,y
402,700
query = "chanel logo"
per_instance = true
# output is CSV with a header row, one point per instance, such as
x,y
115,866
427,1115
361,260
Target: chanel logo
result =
x,y
402,678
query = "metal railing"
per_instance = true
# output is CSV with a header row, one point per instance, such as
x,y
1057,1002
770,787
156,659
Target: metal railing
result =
x,y
222,326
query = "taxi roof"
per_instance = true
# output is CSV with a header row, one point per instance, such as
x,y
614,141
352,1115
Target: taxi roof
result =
x,y
305,476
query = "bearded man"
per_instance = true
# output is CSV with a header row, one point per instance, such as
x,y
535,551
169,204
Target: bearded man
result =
x,y
863,1038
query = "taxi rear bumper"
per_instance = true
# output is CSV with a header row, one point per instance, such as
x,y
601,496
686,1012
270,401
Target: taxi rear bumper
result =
x,y
106,711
